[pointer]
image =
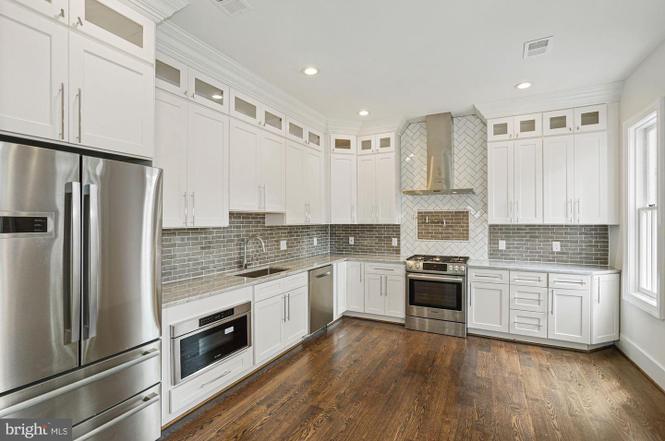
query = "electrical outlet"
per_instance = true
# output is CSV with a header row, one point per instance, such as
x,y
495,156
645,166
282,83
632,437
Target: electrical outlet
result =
x,y
556,246
502,245
351,240
316,241
394,241
282,245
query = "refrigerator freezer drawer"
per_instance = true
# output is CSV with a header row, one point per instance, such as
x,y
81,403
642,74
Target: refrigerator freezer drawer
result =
x,y
88,391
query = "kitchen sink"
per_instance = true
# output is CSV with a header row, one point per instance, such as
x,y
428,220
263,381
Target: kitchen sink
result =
x,y
262,272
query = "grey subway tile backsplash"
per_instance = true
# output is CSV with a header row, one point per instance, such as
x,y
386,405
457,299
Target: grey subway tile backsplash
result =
x,y
580,244
368,239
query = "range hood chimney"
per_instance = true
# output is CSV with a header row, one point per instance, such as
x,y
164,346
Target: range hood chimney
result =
x,y
440,171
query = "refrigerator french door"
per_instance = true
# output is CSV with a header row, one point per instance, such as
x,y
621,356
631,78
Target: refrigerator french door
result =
x,y
80,304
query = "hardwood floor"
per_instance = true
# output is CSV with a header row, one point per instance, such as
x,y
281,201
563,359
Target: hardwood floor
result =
x,y
375,381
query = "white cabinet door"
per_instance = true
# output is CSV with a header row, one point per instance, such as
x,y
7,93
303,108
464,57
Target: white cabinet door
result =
x,y
314,139
245,108
244,173
296,323
58,9
340,289
385,142
386,189
558,180
295,191
366,190
343,144
208,166
591,118
500,182
605,308
374,298
528,126
269,316
313,185
500,129
208,92
590,172
112,98
558,122
528,181
355,287
172,75
272,173
569,315
342,189
273,120
395,299
171,141
295,130
33,78
489,306
366,145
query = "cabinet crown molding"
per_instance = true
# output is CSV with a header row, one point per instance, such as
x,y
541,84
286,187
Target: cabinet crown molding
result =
x,y
157,10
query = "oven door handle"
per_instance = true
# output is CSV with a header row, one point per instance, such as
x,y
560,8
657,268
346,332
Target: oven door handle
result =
x,y
427,277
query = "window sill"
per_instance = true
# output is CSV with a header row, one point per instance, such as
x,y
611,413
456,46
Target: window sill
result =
x,y
645,303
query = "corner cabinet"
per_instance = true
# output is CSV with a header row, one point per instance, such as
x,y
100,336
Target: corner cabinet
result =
x,y
377,191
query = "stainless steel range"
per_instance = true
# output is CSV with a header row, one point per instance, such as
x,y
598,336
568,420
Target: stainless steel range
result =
x,y
436,294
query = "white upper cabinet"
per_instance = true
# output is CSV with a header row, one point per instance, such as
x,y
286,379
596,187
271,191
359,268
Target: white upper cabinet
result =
x,y
172,75
112,98
342,189
58,9
366,145
295,191
558,179
590,178
273,120
34,85
500,129
366,211
500,182
591,118
314,139
245,108
386,189
116,24
208,92
528,181
295,131
313,185
343,144
558,122
385,142
528,126
272,157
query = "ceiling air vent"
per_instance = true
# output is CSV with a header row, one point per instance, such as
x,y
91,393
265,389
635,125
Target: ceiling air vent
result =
x,y
233,7
535,48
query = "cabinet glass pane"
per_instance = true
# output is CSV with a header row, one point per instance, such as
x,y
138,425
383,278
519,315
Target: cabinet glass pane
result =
x,y
296,130
168,73
114,22
590,118
527,126
244,107
500,129
314,138
208,91
273,120
366,145
558,122
342,144
384,143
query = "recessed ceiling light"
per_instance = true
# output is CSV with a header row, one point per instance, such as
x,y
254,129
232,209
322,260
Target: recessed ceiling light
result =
x,y
217,97
523,85
363,112
310,71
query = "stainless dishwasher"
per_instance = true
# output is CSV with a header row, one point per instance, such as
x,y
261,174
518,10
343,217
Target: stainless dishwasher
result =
x,y
320,298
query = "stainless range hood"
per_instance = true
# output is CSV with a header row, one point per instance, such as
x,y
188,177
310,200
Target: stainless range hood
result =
x,y
440,170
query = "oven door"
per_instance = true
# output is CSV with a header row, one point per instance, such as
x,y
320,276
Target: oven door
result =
x,y
436,296
205,347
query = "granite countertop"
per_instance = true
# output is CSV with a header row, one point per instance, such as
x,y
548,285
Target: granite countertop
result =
x,y
543,267
179,292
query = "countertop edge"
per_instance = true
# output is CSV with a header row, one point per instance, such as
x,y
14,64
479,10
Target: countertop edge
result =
x,y
559,268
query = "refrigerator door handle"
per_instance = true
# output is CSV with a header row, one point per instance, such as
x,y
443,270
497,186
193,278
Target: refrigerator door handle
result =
x,y
90,193
73,272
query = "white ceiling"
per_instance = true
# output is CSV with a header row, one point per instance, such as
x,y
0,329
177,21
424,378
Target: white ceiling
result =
x,y
412,57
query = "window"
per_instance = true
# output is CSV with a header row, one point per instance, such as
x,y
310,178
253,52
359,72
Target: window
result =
x,y
644,235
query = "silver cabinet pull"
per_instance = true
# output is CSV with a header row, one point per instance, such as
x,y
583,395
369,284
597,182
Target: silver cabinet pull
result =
x,y
193,208
551,302
284,308
91,261
61,14
569,210
184,196
79,21
79,96
288,308
62,108
528,324
73,276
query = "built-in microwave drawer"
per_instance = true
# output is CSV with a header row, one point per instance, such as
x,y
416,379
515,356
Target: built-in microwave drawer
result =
x,y
527,278
569,281
488,275
209,382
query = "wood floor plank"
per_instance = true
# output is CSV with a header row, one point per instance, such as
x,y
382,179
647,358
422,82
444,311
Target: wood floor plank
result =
x,y
372,381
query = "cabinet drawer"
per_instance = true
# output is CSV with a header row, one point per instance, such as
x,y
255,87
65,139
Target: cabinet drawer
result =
x,y
528,298
198,388
488,275
526,278
532,324
270,289
569,281
384,269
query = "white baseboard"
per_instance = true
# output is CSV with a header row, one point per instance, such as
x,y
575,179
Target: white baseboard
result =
x,y
637,355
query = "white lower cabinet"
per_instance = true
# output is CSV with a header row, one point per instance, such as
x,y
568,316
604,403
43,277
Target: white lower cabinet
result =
x,y
489,306
355,288
605,296
395,296
384,290
268,320
528,298
527,323
296,323
340,289
569,316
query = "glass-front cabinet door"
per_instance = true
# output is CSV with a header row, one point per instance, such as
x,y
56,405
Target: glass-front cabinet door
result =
x,y
558,122
500,129
272,120
591,118
244,107
365,145
116,24
314,139
343,143
385,142
295,130
171,75
528,126
208,92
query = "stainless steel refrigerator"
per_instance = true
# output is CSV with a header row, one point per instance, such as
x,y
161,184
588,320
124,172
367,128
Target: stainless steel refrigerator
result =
x,y
80,300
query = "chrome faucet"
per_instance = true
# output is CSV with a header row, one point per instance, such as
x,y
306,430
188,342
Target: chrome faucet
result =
x,y
246,242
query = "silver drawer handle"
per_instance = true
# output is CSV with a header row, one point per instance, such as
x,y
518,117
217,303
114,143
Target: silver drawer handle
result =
x,y
214,379
384,269
482,276
539,299
571,282
527,280
528,324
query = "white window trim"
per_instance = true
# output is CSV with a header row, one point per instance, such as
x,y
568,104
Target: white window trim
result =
x,y
631,294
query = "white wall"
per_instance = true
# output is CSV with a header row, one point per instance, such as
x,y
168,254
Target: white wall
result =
x,y
642,335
